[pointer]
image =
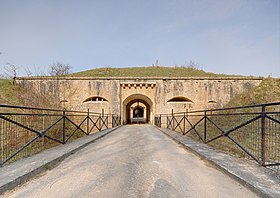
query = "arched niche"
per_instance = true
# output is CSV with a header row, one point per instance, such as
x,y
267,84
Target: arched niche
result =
x,y
95,99
179,99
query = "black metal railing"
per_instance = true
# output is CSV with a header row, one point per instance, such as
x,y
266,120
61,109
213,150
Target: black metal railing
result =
x,y
248,131
25,131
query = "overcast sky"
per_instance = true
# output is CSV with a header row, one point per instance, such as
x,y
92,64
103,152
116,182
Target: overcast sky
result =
x,y
223,36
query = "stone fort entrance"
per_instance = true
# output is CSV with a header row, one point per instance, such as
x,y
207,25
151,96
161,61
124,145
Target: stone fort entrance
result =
x,y
137,108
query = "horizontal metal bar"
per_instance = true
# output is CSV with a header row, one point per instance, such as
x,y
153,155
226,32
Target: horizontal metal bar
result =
x,y
246,107
43,109
29,108
234,114
30,114
177,114
274,164
219,114
229,108
45,114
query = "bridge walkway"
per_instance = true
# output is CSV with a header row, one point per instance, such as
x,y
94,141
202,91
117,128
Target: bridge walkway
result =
x,y
132,161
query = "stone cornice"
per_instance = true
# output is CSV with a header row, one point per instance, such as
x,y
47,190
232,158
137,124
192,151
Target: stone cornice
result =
x,y
138,78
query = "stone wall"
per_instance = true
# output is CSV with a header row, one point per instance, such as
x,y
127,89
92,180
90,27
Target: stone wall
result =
x,y
194,93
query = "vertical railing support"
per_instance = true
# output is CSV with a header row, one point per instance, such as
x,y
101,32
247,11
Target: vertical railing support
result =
x,y
107,121
160,121
184,127
88,121
1,145
99,122
172,120
113,121
263,138
205,126
64,127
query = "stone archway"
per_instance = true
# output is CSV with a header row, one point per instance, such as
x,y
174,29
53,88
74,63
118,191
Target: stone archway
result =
x,y
137,108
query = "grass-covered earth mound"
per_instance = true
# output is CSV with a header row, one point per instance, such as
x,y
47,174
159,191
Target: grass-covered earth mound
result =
x,y
150,71
267,92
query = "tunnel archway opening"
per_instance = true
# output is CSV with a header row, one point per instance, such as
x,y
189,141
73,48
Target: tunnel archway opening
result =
x,y
137,109
138,112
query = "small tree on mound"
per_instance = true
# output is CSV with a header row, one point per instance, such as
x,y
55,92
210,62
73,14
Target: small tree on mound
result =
x,y
59,68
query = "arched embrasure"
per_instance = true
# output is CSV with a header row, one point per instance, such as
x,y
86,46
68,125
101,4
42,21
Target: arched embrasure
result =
x,y
180,99
96,99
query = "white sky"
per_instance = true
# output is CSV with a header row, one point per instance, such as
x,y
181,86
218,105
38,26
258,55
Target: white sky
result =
x,y
223,36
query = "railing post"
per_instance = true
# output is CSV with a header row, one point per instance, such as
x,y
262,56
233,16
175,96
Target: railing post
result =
x,y
184,127
263,138
101,120
107,121
88,121
64,127
172,117
160,121
1,143
205,126
113,121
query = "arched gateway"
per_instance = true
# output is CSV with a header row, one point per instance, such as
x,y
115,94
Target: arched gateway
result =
x,y
137,108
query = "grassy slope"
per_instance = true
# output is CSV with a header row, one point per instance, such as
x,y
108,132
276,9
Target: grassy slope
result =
x,y
8,92
268,91
151,71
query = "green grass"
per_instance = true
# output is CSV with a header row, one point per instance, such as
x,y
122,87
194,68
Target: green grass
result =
x,y
151,71
8,92
268,91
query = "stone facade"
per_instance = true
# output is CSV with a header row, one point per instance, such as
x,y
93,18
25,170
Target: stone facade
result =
x,y
125,96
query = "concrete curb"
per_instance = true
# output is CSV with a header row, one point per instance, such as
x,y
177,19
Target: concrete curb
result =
x,y
23,170
264,182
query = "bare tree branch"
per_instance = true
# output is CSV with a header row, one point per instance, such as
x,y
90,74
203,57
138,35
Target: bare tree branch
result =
x,y
59,68
11,70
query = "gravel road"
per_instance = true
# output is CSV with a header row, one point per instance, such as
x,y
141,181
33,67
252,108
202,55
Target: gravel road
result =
x,y
133,161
